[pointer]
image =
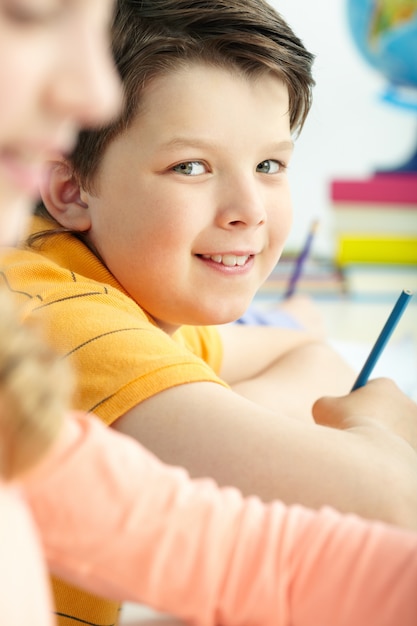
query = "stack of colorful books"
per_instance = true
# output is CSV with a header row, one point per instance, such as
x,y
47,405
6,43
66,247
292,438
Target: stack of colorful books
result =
x,y
375,230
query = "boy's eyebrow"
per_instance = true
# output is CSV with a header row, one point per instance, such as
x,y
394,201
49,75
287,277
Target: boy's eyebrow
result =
x,y
282,145
199,142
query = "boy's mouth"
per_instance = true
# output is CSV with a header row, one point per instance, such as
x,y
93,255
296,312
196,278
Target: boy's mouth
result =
x,y
229,260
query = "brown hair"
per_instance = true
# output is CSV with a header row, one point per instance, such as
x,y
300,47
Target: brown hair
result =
x,y
153,37
35,388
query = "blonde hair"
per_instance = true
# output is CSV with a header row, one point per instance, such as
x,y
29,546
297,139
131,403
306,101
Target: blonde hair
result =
x,y
35,388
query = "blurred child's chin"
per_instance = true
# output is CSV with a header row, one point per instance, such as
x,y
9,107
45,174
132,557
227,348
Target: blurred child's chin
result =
x,y
14,216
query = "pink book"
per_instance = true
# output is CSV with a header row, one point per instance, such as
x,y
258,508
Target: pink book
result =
x,y
381,188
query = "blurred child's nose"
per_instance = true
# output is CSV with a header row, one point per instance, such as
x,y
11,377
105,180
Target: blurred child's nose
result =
x,y
241,203
86,86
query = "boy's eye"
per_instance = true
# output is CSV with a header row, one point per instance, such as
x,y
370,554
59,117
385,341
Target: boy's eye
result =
x,y
270,166
190,168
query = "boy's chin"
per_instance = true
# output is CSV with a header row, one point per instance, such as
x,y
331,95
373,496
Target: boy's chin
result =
x,y
225,315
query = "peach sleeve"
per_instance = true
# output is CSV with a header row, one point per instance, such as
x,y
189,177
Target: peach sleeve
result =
x,y
116,521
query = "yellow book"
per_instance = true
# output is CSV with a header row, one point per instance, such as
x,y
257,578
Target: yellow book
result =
x,y
366,248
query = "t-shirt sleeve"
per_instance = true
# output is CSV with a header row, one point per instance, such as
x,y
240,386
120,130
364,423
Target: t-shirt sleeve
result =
x,y
204,341
119,356
128,527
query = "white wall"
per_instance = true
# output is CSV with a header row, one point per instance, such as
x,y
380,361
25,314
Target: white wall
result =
x,y
350,130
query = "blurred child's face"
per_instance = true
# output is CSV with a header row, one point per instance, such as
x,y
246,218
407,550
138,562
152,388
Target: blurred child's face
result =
x,y
56,74
193,204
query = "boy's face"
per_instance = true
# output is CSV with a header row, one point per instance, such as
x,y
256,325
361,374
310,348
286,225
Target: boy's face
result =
x,y
193,204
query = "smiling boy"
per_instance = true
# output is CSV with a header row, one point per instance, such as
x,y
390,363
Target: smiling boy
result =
x,y
108,514
173,216
179,210
164,225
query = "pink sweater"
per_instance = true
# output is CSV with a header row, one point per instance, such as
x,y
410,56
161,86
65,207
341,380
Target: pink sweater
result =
x,y
116,521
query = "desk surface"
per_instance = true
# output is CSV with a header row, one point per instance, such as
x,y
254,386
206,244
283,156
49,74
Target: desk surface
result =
x,y
356,323
362,321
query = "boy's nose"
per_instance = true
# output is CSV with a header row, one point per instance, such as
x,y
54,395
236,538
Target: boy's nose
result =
x,y
242,205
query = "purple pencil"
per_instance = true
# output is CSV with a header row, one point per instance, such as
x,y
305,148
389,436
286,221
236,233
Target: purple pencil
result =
x,y
301,260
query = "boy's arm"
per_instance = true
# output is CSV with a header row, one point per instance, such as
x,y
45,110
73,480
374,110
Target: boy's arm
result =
x,y
367,465
128,527
287,370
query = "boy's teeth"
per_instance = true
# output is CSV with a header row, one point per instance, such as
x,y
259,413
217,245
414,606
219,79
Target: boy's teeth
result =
x,y
230,260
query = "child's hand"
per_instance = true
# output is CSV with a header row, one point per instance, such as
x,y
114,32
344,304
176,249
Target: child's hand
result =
x,y
380,401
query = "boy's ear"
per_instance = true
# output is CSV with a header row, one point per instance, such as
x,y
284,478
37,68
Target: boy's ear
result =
x,y
62,195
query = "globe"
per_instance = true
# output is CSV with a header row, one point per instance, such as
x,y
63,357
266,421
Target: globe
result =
x,y
385,34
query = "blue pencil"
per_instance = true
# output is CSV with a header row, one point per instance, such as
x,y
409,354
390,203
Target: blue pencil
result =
x,y
301,260
385,334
